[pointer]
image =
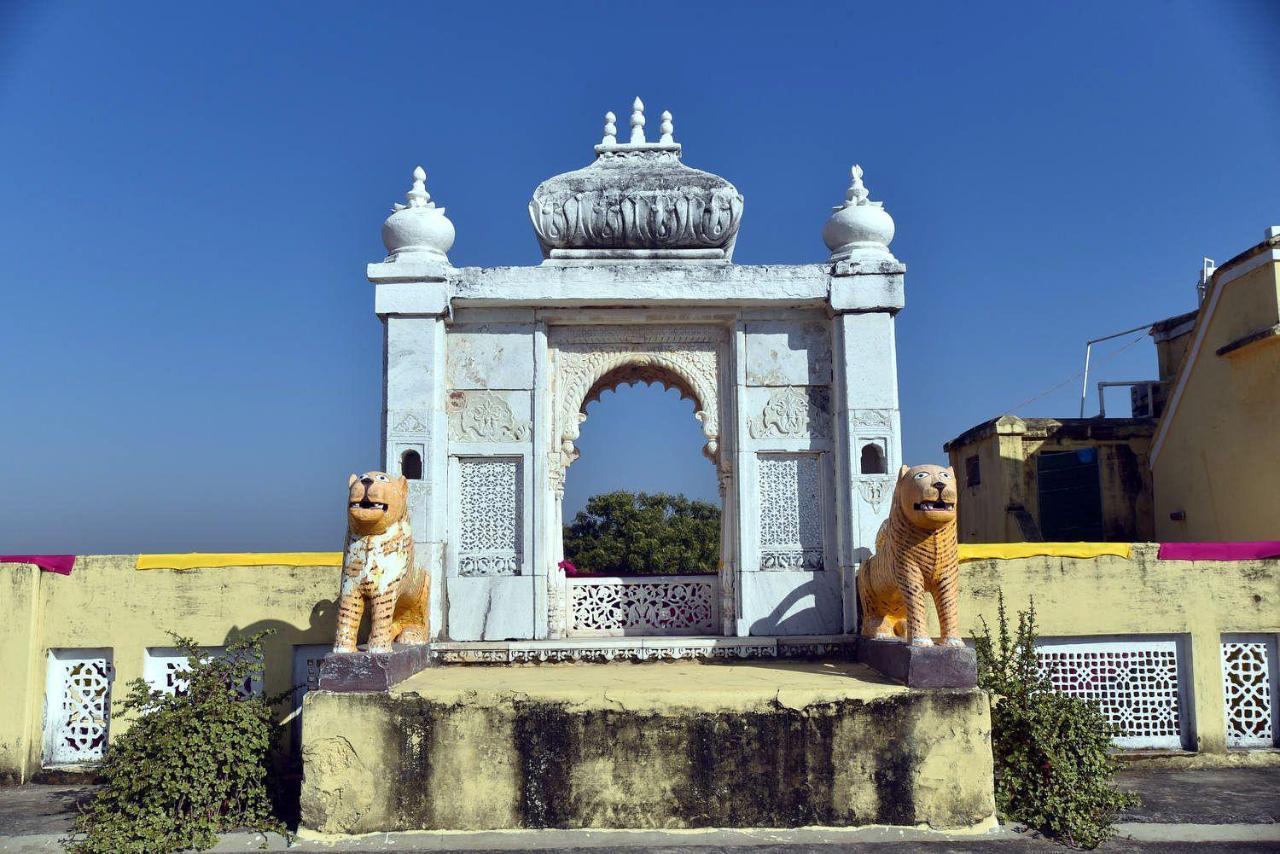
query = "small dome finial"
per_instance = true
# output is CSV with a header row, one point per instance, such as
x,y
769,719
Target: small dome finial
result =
x,y
418,197
637,121
667,128
418,226
857,193
859,229
610,130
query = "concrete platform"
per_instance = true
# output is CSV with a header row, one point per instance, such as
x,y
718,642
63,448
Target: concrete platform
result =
x,y
650,745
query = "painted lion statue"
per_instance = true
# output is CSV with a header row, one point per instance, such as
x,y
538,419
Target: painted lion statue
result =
x,y
916,554
378,566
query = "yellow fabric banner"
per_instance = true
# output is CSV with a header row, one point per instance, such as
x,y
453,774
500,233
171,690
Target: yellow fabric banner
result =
x,y
197,560
1011,551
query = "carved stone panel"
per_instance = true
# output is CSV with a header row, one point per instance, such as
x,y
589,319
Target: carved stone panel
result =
x,y
791,412
491,516
788,352
488,416
790,497
489,355
406,424
872,419
876,492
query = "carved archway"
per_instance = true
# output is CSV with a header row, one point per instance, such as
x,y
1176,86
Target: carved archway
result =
x,y
590,361
587,361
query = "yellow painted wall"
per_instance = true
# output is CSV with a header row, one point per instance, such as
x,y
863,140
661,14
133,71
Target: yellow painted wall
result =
x,y
1224,435
105,602
1200,600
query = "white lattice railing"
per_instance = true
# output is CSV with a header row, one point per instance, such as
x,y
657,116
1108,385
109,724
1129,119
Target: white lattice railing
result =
x,y
1136,684
1247,679
612,606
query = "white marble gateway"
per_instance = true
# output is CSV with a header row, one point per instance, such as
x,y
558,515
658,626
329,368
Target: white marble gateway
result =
x,y
791,370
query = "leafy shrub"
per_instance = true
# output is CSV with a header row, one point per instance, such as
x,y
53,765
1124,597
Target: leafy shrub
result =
x,y
1053,762
621,533
193,763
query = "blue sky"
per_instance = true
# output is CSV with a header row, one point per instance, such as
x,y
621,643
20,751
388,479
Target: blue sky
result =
x,y
190,196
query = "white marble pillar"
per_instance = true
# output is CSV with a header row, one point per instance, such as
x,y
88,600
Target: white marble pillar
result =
x,y
865,403
413,403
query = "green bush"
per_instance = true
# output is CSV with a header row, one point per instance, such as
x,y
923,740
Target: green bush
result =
x,y
1053,762
624,533
192,764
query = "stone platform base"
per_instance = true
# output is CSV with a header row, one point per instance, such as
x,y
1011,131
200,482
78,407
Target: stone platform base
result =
x,y
659,745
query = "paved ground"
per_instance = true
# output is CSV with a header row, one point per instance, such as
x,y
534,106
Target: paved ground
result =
x,y
1232,810
1211,796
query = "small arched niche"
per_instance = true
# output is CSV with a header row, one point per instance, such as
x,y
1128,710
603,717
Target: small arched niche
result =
x,y
872,459
411,465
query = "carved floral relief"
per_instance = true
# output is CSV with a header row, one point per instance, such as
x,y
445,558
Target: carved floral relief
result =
x,y
484,416
793,412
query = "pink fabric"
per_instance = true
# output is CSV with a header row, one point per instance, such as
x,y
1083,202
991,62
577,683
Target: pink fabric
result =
x,y
1219,551
60,564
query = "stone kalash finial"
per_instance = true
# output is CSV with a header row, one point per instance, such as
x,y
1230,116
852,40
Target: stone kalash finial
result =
x,y
418,226
859,229
637,122
636,202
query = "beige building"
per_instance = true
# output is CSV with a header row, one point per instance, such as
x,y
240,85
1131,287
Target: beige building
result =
x,y
1219,435
1181,473
1044,479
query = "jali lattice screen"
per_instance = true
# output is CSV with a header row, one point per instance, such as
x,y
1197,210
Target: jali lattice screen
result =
x,y
677,605
491,514
77,706
1247,691
1134,682
163,670
790,512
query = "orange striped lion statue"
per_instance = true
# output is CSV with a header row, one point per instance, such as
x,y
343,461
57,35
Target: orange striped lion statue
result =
x,y
916,554
378,566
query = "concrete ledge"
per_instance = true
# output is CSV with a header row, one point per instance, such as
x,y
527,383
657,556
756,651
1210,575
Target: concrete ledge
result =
x,y
921,666
372,671
659,745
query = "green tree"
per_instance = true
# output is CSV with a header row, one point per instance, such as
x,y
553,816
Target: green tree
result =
x,y
622,533
193,764
1052,751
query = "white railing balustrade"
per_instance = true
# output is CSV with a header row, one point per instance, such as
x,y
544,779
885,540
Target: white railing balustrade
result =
x,y
621,606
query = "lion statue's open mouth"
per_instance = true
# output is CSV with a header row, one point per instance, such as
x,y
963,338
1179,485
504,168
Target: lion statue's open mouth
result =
x,y
366,504
935,506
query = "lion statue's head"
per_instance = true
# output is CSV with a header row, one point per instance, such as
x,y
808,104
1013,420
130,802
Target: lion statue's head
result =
x,y
926,496
375,502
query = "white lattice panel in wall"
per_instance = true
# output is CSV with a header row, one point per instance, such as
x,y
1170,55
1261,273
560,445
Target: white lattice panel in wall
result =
x,y
1135,684
790,490
676,605
491,512
1247,692
77,706
164,667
